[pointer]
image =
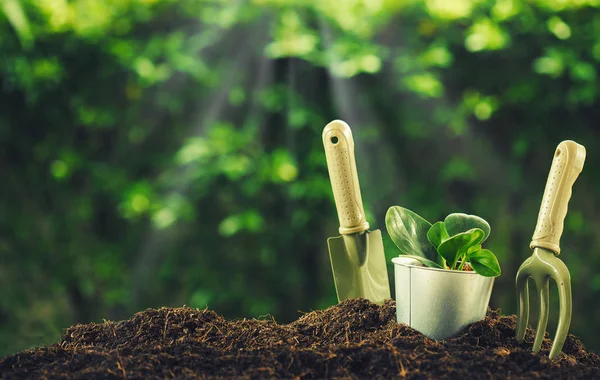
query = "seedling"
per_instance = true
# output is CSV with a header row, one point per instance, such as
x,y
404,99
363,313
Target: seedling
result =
x,y
448,244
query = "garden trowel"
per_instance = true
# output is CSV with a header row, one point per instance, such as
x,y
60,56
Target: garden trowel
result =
x,y
357,257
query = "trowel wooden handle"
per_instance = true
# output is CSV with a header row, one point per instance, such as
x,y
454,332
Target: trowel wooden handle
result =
x,y
566,166
339,151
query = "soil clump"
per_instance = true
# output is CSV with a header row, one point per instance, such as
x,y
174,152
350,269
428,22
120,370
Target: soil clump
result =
x,y
355,339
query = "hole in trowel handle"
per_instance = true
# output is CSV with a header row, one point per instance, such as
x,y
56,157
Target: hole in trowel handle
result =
x,y
334,140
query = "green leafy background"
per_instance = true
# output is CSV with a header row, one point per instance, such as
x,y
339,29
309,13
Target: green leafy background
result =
x,y
163,152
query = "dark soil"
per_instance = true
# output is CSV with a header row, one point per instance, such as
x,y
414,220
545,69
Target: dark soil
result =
x,y
355,339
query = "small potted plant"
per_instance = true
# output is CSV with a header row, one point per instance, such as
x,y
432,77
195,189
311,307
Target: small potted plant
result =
x,y
443,276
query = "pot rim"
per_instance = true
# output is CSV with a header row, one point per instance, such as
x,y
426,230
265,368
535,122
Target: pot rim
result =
x,y
396,261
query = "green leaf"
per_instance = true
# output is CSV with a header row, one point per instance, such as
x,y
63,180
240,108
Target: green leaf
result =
x,y
485,263
424,261
458,222
437,234
18,19
456,246
409,232
473,249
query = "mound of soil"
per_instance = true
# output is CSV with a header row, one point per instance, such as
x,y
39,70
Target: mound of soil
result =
x,y
355,339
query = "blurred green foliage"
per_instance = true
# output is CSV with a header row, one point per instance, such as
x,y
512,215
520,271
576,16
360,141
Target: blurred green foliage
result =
x,y
162,152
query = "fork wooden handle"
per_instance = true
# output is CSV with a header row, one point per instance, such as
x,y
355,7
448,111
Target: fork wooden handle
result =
x,y
566,166
339,151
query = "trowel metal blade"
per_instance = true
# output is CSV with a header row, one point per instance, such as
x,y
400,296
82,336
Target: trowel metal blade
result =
x,y
360,274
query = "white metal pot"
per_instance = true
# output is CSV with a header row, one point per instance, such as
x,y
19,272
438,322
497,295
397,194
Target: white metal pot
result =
x,y
439,303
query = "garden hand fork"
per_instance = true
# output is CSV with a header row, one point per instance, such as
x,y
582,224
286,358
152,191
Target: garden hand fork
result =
x,y
544,263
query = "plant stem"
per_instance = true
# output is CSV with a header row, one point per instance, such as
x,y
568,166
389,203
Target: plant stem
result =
x,y
462,262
